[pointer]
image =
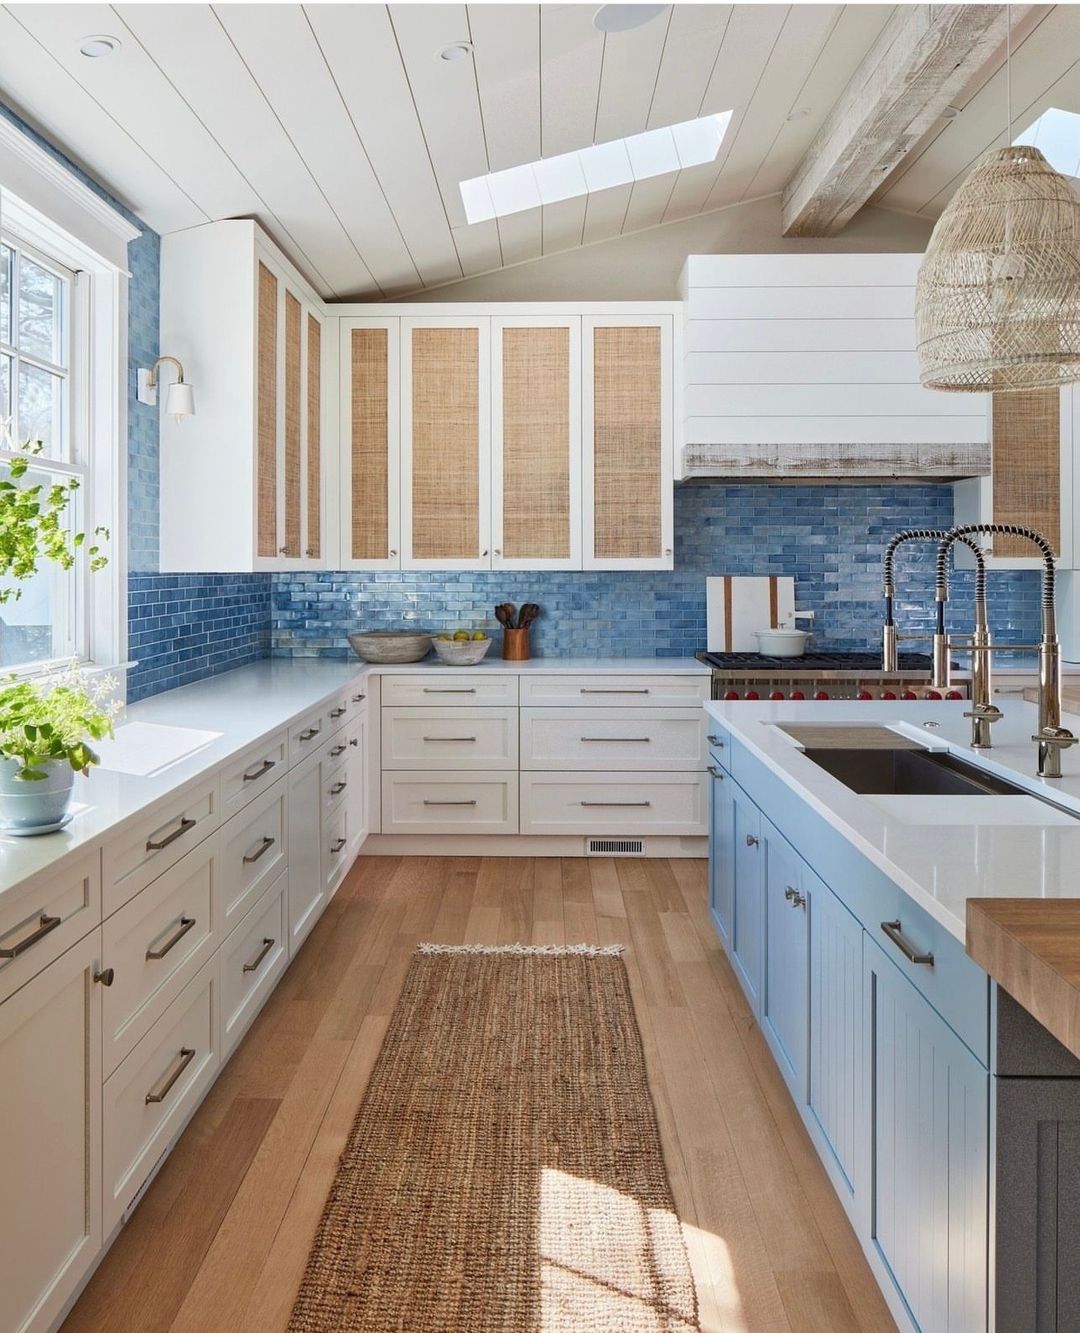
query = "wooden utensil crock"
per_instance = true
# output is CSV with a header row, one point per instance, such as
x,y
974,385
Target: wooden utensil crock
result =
x,y
515,646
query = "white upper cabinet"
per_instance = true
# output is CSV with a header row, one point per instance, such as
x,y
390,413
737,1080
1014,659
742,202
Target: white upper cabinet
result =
x,y
241,480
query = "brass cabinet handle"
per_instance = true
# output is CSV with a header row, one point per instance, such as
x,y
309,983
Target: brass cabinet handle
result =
x,y
338,749
187,1054
469,689
337,846
715,740
46,924
105,976
254,774
584,690
338,712
310,734
449,802
185,924
251,857
338,788
751,841
633,804
618,740
254,966
447,738
895,933
185,826
716,772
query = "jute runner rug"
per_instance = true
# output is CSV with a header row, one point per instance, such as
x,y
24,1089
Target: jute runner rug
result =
x,y
504,1172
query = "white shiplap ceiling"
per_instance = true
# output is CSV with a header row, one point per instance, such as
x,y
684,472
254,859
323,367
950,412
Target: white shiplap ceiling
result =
x,y
336,126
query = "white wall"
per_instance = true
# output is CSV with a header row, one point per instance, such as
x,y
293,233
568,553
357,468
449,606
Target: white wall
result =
x,y
645,265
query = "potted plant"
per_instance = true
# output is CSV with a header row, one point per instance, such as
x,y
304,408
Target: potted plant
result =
x,y
45,725
45,729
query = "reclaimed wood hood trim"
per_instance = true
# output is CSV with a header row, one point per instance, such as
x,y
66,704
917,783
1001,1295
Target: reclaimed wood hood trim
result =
x,y
836,462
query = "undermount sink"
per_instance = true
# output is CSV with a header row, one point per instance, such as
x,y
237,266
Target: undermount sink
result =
x,y
909,772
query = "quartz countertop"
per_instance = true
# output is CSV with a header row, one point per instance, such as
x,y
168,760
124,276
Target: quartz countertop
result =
x,y
940,865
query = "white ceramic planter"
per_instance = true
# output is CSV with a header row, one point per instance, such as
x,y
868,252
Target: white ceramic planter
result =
x,y
30,807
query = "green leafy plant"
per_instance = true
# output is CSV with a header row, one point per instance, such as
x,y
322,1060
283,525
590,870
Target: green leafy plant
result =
x,y
51,720
32,527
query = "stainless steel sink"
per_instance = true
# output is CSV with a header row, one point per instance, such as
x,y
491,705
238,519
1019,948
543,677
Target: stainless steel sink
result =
x,y
909,772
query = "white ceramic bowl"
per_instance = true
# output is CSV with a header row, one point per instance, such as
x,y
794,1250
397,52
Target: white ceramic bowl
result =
x,y
457,652
781,642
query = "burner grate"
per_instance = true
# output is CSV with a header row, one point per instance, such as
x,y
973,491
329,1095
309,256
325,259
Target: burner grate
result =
x,y
811,662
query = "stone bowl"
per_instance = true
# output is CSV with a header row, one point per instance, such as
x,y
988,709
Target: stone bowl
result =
x,y
390,645
454,652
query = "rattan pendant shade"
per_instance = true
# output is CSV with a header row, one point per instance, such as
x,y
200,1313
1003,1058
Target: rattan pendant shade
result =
x,y
997,300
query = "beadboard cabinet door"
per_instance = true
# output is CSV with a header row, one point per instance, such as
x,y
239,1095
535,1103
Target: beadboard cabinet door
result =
x,y
628,481
748,917
536,442
446,443
369,406
790,888
722,853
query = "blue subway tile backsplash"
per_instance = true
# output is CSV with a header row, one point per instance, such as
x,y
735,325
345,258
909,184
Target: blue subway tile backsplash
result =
x,y
829,537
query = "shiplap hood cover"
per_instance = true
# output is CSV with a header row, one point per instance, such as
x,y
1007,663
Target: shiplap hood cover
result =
x,y
802,366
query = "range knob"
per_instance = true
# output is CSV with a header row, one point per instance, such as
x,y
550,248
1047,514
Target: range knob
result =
x,y
731,694
909,694
821,694
888,694
797,694
777,694
864,694
954,694
752,694
932,694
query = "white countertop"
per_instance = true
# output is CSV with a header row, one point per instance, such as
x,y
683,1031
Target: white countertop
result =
x,y
940,864
172,740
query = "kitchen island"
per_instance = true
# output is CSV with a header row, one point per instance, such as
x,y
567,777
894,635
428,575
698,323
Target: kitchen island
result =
x,y
847,845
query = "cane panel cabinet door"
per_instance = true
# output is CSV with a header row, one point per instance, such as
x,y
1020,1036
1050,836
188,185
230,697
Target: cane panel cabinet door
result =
x,y
628,485
536,442
446,443
370,444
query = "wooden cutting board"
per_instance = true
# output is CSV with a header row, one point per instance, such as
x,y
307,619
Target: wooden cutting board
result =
x,y
1070,696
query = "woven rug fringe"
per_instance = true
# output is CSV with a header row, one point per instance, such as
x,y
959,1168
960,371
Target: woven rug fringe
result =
x,y
581,950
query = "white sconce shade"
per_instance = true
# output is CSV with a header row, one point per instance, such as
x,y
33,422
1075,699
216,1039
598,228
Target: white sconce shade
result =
x,y
180,400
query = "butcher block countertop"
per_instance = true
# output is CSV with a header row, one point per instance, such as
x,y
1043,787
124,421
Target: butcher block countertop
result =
x,y
1031,948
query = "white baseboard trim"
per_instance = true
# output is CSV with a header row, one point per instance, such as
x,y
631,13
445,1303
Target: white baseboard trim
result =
x,y
515,844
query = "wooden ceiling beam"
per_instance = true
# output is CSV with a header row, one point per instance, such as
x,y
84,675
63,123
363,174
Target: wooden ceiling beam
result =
x,y
922,60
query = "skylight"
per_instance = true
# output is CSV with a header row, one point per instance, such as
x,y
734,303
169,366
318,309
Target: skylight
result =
x,y
1056,134
618,162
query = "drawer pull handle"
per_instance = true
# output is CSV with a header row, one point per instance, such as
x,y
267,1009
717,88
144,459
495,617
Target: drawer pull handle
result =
x,y
267,945
716,772
751,841
185,924
794,897
105,976
337,846
585,690
619,740
338,749
185,826
354,743
338,788
187,1054
359,698
449,802
715,740
634,804
428,689
251,857
448,738
895,933
310,734
45,925
254,774
338,712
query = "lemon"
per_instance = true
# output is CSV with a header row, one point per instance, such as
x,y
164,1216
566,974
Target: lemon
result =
x,y
461,636
479,636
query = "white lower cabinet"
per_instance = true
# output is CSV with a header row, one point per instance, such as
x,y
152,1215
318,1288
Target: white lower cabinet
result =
x,y
50,1138
449,802
449,738
634,739
668,804
252,959
307,888
253,851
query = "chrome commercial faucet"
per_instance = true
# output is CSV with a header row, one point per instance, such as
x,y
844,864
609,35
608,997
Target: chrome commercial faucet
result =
x,y
1052,737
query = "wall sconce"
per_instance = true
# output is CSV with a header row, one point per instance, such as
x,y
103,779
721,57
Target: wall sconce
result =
x,y
179,397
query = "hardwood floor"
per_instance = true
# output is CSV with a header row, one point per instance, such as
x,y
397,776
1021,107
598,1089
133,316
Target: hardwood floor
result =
x,y
221,1238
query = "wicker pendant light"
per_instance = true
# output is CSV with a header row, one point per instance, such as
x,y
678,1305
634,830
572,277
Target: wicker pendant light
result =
x,y
997,300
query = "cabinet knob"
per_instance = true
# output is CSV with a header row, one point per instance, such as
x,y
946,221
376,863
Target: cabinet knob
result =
x,y
310,553
283,550
485,552
667,550
498,552
751,841
105,976
393,552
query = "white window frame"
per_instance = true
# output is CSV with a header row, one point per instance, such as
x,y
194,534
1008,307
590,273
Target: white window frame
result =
x,y
49,210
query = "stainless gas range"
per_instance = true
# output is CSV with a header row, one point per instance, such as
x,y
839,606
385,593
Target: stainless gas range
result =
x,y
823,675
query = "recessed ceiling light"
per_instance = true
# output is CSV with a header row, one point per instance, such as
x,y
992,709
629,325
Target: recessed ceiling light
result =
x,y
455,51
800,113
99,45
621,18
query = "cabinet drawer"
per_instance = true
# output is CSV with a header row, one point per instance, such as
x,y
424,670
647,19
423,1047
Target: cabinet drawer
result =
x,y
156,841
307,735
339,746
337,713
154,945
335,847
335,788
476,803
450,687
149,1097
615,691
253,852
600,803
449,738
252,959
47,918
245,777
645,739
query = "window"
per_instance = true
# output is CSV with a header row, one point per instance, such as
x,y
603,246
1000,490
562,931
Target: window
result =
x,y
39,404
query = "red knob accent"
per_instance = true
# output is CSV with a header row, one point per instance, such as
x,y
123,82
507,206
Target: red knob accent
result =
x,y
954,694
752,694
888,694
731,694
909,694
821,694
864,694
797,694
933,694
777,694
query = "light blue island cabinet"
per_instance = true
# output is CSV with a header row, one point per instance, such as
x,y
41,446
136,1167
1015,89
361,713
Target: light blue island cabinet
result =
x,y
888,1057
